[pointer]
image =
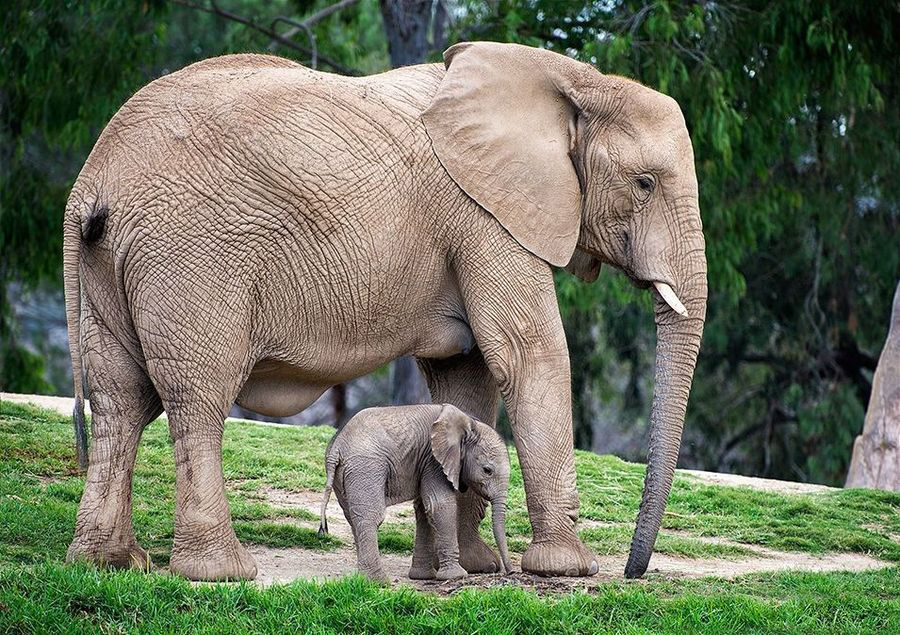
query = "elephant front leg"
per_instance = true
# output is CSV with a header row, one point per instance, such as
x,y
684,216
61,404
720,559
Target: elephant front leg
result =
x,y
520,334
439,503
423,559
539,405
466,382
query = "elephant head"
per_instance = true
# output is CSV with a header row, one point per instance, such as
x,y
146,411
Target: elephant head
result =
x,y
472,455
581,169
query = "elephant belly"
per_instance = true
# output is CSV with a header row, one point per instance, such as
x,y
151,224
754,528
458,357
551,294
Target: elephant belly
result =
x,y
281,388
276,391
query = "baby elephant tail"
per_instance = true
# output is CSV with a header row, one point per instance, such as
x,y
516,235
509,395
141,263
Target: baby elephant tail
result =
x,y
330,466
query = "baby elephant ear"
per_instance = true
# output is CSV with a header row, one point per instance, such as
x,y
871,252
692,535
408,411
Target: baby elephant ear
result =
x,y
447,434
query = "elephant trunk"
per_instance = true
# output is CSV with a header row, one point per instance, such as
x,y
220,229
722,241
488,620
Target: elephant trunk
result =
x,y
678,343
498,524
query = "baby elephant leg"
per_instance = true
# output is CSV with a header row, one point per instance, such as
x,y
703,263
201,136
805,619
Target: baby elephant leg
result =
x,y
365,512
442,515
423,559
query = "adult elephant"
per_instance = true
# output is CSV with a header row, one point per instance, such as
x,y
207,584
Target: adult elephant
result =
x,y
248,229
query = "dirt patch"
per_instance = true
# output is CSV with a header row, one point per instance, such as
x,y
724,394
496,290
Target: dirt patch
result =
x,y
286,565
337,524
753,482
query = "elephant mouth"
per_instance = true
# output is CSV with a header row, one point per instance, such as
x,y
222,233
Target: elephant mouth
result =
x,y
644,282
666,292
671,298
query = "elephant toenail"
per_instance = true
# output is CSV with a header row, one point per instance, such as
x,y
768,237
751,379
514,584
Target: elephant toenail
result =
x,y
594,568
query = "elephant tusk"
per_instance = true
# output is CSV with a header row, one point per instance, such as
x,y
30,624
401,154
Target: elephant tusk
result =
x,y
671,299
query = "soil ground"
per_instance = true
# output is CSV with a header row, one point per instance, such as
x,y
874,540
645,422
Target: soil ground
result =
x,y
285,565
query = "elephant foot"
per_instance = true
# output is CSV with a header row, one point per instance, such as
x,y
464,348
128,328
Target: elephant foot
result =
x,y
376,575
417,572
562,558
125,554
213,562
476,557
450,572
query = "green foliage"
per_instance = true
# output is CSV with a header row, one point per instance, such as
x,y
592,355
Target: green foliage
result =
x,y
21,370
66,68
793,112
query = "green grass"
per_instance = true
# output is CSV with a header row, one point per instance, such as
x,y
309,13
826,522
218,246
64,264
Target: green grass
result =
x,y
38,472
40,489
607,541
396,538
52,598
860,521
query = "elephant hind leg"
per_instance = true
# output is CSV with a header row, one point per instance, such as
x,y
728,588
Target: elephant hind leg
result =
x,y
123,402
365,534
362,499
197,390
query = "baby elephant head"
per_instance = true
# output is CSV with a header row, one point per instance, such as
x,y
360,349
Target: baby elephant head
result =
x,y
474,456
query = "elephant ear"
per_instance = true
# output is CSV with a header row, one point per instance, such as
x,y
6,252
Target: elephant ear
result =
x,y
502,124
447,435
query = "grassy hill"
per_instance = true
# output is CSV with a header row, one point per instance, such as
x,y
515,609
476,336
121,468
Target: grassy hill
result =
x,y
40,489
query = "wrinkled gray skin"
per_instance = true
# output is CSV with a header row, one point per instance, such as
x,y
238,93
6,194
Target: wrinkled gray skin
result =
x,y
427,454
248,229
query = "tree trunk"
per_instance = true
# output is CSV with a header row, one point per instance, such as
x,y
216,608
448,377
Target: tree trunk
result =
x,y
339,404
876,452
406,25
407,384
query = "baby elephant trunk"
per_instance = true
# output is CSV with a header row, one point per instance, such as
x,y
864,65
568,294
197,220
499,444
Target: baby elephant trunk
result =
x,y
498,522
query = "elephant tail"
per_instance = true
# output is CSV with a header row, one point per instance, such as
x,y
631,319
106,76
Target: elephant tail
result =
x,y
331,463
72,243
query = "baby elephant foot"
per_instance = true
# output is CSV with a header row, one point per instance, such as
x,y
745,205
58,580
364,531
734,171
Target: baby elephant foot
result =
x,y
419,572
476,557
450,572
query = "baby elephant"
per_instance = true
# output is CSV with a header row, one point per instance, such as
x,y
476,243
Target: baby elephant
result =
x,y
427,454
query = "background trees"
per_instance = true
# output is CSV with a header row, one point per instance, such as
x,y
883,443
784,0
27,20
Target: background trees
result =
x,y
793,112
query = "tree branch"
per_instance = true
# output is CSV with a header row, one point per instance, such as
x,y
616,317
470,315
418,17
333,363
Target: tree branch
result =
x,y
214,9
298,26
312,20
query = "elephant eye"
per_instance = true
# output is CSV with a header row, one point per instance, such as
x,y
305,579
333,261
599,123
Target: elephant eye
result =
x,y
645,183
488,470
